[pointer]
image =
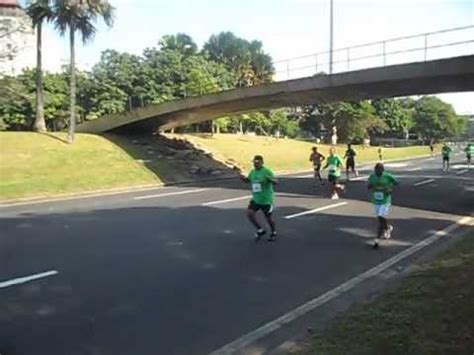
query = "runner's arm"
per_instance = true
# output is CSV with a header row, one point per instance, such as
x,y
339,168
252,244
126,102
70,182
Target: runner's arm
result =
x,y
271,177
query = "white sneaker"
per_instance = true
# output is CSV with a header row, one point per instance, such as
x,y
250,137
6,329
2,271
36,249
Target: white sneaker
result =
x,y
335,197
388,232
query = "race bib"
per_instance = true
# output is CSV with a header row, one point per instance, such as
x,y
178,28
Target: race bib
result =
x,y
378,196
256,187
332,168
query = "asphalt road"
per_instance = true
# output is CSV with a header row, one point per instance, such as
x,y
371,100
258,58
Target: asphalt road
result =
x,y
175,270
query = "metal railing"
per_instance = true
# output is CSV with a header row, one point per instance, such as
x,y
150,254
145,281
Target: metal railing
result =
x,y
406,49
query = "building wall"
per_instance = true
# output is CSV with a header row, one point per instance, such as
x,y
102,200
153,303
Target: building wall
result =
x,y
17,41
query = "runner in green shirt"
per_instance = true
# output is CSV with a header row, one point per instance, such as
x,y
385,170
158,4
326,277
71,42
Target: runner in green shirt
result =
x,y
469,153
261,180
446,154
334,164
380,186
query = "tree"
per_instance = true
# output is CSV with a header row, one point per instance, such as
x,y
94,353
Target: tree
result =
x,y
39,11
247,61
79,15
353,120
436,119
180,42
397,115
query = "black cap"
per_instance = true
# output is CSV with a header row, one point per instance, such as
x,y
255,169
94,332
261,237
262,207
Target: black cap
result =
x,y
258,157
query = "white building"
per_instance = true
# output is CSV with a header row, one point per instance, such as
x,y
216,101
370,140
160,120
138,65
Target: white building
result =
x,y
17,39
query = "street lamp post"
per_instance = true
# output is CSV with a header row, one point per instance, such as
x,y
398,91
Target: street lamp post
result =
x,y
331,35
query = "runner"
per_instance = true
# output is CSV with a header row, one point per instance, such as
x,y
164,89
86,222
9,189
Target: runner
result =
x,y
380,153
317,158
446,153
350,161
262,180
431,148
380,185
469,153
334,164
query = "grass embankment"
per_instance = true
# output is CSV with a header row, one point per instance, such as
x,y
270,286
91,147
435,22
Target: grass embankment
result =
x,y
432,312
33,164
286,154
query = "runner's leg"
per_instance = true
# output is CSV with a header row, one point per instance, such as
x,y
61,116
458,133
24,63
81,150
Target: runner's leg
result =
x,y
251,214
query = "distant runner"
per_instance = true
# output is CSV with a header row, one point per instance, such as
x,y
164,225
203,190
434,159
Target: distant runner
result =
x,y
380,185
446,154
380,151
317,159
334,164
469,153
350,161
431,148
262,180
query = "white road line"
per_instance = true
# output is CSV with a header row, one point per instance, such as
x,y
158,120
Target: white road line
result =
x,y
461,172
304,176
218,202
359,178
250,338
170,194
413,169
424,182
319,209
24,279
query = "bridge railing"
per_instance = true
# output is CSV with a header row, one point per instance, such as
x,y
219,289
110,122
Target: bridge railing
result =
x,y
447,43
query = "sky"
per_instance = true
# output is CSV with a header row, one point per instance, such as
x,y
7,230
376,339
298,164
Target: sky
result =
x,y
287,28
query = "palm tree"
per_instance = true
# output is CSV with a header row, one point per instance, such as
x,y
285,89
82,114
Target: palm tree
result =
x,y
79,15
39,11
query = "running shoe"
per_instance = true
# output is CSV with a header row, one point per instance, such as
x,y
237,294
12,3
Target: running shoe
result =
x,y
272,237
259,234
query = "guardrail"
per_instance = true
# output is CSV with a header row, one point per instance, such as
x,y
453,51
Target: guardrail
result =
x,y
446,43
406,49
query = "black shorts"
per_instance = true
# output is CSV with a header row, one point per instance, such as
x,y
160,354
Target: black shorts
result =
x,y
350,164
468,157
267,209
317,167
445,158
334,179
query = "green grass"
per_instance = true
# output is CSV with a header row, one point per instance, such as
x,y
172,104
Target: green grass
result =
x,y
432,312
287,154
33,164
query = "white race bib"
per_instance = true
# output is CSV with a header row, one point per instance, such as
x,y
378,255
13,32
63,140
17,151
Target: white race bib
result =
x,y
256,187
332,168
378,196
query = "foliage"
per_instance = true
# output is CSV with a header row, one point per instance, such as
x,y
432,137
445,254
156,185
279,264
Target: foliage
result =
x,y
436,119
396,114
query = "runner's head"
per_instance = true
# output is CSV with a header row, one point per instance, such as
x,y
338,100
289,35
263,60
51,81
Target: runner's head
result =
x,y
379,169
315,149
332,151
258,162
349,146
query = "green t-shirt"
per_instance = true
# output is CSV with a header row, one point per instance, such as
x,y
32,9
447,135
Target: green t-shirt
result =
x,y
446,151
262,187
379,186
333,164
469,150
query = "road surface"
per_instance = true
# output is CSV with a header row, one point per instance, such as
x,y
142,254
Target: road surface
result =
x,y
175,270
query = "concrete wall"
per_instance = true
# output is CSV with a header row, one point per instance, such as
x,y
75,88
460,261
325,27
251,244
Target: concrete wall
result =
x,y
437,76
